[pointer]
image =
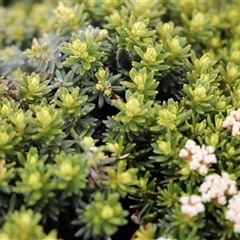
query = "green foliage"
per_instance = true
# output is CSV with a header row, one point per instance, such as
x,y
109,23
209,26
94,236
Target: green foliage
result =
x,y
24,224
102,216
6,174
8,140
44,54
47,122
119,148
151,58
134,33
170,116
71,172
147,232
72,104
133,112
11,58
35,185
197,27
31,89
107,86
84,54
121,180
176,49
68,19
142,83
113,112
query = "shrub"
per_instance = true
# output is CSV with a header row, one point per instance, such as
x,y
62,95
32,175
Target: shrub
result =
x,y
119,120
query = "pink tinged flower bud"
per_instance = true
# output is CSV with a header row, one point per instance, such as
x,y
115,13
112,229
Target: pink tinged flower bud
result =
x,y
233,212
232,122
191,205
217,187
198,158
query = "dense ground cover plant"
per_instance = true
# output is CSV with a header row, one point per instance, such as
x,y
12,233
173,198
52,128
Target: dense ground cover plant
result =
x,y
119,120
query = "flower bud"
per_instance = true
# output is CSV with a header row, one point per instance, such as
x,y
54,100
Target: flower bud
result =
x,y
88,142
32,159
125,178
213,141
103,34
235,56
109,6
99,87
232,73
165,147
71,17
66,171
204,61
5,110
219,124
108,92
214,42
204,77
33,84
146,40
150,55
68,100
220,105
44,117
114,148
63,13
101,74
3,170
199,94
231,151
132,107
138,29
34,180
20,120
36,48
116,19
198,21
167,119
4,138
140,81
26,220
167,29
79,49
107,212
99,155
185,171
200,127
142,183
174,45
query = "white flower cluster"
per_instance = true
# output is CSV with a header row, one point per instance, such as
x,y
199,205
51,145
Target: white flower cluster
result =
x,y
233,212
232,122
164,238
191,205
198,158
217,187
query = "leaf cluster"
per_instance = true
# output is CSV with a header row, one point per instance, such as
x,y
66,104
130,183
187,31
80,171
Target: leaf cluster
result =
x,y
97,100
